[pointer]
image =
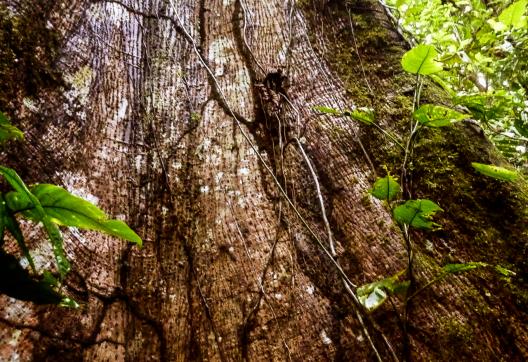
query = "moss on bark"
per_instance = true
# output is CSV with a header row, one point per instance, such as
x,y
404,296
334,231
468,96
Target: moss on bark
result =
x,y
483,219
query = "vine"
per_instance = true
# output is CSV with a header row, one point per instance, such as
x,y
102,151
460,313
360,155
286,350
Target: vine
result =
x,y
412,213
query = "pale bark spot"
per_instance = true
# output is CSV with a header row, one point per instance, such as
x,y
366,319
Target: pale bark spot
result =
x,y
324,337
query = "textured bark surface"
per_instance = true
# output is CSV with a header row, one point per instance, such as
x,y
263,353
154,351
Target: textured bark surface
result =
x,y
161,116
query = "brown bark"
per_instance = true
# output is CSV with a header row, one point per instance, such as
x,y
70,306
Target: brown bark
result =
x,y
171,117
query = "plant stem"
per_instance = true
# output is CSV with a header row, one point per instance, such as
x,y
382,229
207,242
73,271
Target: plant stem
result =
x,y
407,305
388,135
414,127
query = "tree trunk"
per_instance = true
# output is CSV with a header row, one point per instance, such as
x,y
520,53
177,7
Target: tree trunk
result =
x,y
193,121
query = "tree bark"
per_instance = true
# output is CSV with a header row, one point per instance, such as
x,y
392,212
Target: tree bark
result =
x,y
193,121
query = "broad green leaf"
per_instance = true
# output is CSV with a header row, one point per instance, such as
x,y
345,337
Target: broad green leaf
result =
x,y
17,283
328,110
459,268
385,188
417,213
513,14
421,60
7,130
66,209
363,115
437,116
496,172
373,295
55,199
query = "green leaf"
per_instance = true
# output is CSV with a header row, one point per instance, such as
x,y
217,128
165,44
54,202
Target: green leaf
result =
x,y
385,188
49,279
7,130
328,110
57,244
421,60
7,221
39,214
496,172
417,213
437,116
496,25
373,295
69,303
513,14
17,201
66,209
12,225
459,268
363,115
503,271
15,181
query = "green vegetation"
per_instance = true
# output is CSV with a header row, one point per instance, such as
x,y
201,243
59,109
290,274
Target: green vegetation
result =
x,y
410,213
483,49
52,206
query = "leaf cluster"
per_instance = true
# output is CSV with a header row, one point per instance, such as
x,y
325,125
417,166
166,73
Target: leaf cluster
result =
x,y
52,206
478,51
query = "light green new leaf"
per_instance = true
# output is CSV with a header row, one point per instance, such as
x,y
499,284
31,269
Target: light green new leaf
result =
x,y
421,60
7,130
328,110
66,209
385,188
496,172
437,116
373,295
363,115
513,14
417,213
